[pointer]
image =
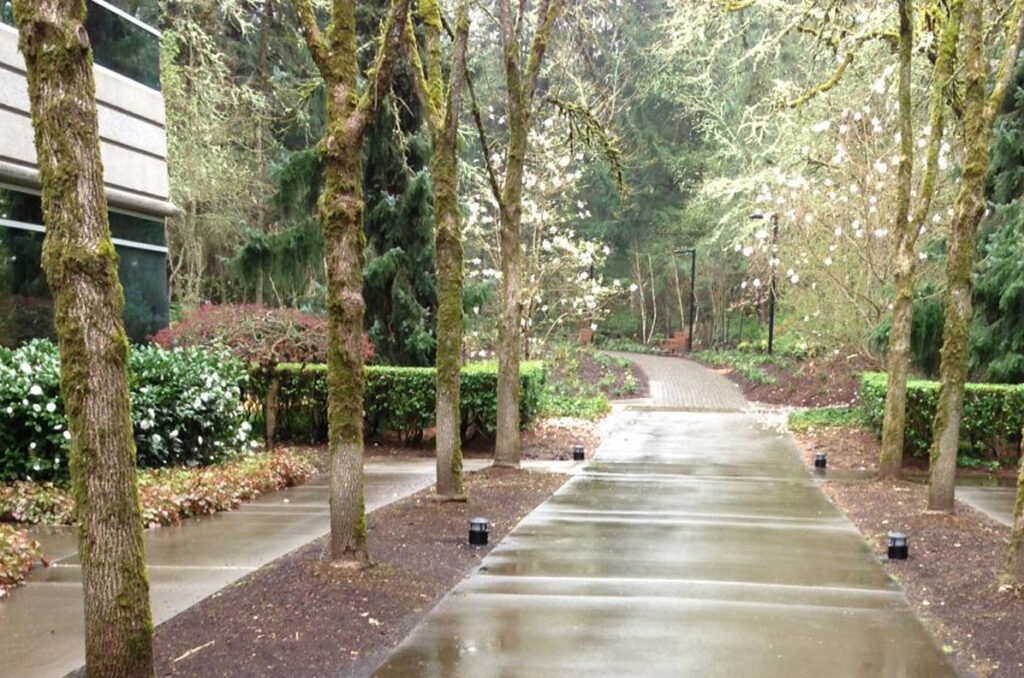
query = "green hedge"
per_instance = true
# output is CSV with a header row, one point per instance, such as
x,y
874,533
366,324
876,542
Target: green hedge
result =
x,y
992,416
398,399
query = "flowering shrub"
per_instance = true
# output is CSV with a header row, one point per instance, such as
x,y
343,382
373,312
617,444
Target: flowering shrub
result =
x,y
17,554
168,495
255,334
186,409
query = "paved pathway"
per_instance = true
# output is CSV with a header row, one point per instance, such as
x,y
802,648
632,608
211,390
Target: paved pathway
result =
x,y
683,384
695,544
995,502
41,624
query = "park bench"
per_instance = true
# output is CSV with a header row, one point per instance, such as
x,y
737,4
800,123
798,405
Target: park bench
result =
x,y
677,344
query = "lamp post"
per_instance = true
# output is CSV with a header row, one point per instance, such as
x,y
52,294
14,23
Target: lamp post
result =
x,y
692,251
771,280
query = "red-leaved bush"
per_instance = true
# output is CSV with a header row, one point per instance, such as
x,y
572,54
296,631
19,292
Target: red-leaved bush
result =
x,y
256,334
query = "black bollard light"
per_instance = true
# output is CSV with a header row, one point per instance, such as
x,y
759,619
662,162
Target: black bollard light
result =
x,y
578,453
478,530
820,461
898,546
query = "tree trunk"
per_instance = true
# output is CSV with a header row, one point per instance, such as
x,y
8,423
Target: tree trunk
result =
x,y
341,219
448,243
968,212
270,407
81,268
520,86
891,463
903,304
1015,560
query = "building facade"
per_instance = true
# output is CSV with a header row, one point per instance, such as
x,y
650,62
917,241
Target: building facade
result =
x,y
133,143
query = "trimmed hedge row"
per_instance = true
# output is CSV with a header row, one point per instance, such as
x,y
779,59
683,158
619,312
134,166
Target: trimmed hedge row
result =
x,y
992,416
398,400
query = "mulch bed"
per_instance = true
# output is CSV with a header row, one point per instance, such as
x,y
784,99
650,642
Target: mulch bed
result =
x,y
952,576
300,617
817,382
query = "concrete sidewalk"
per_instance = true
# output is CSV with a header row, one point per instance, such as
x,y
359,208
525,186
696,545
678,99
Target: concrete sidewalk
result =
x,y
995,502
696,544
42,625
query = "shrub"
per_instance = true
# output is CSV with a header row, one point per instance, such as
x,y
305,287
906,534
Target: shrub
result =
x,y
989,428
17,554
186,409
591,406
827,417
397,399
169,495
255,334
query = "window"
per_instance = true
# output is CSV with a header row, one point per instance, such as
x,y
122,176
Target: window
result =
x,y
26,306
120,42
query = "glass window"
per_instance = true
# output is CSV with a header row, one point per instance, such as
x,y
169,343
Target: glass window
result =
x,y
26,306
137,229
118,43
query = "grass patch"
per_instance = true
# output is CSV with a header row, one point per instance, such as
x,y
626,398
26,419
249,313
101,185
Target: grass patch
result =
x,y
827,417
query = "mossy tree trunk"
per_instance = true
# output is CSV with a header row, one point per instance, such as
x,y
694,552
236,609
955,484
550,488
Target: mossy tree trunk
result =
x,y
979,113
898,357
521,88
81,269
341,218
443,103
1015,560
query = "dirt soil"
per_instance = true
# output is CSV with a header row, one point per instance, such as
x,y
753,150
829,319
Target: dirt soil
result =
x,y
817,382
951,578
300,617
548,439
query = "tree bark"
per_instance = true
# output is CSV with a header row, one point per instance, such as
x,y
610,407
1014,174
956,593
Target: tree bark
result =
x,y
341,219
891,463
521,87
443,118
898,358
81,269
1015,559
270,406
969,209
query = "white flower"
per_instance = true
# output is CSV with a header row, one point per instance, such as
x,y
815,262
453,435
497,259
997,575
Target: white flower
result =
x,y
174,434
35,390
757,282
51,407
828,261
794,278
26,368
156,438
633,287
822,126
199,439
593,326
67,435
881,167
246,426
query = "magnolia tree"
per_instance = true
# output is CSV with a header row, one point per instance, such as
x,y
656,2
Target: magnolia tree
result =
x,y
560,286
833,255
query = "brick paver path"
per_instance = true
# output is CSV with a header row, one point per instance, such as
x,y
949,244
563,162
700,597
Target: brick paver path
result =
x,y
685,385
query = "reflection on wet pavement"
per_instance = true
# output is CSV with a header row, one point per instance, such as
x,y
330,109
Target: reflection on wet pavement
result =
x,y
694,545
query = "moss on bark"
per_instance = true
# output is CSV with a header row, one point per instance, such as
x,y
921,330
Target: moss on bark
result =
x,y
341,219
80,263
979,114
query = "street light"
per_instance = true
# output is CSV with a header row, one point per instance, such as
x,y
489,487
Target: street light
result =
x,y
771,281
692,251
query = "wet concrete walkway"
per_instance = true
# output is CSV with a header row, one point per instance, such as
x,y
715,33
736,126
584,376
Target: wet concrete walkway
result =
x,y
42,626
995,502
695,544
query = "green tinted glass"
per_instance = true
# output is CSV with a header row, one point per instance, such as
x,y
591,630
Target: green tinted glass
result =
x,y
118,43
